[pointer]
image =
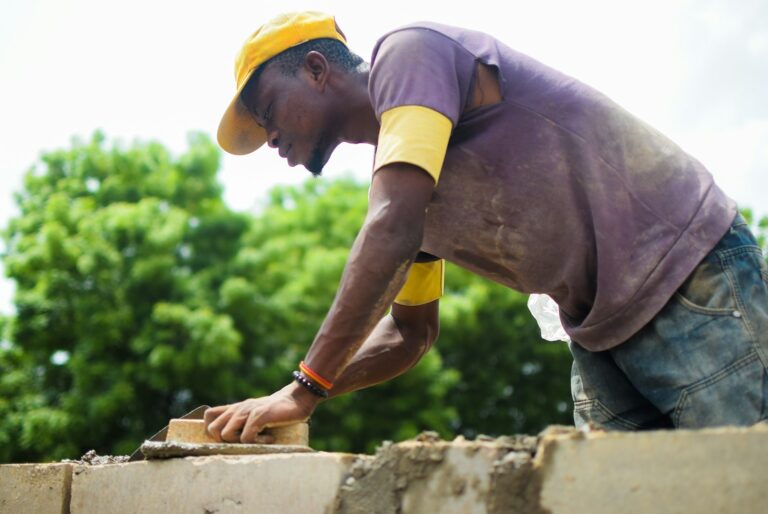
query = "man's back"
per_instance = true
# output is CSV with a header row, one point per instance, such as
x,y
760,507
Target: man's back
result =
x,y
554,189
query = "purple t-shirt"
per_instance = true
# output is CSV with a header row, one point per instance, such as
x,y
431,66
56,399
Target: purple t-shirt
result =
x,y
556,189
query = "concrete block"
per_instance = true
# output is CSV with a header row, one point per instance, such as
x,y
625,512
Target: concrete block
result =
x,y
702,471
428,475
35,488
304,483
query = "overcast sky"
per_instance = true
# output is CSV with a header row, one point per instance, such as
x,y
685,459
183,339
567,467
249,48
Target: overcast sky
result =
x,y
697,70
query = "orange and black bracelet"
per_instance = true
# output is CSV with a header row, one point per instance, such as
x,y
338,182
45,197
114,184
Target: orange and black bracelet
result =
x,y
299,377
325,384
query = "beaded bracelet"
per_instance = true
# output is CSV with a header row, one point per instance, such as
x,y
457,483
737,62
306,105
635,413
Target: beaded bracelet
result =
x,y
299,377
325,384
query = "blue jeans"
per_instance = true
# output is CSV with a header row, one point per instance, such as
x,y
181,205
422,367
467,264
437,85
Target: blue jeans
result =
x,y
701,362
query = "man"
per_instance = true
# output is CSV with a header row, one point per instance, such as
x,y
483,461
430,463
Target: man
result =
x,y
493,161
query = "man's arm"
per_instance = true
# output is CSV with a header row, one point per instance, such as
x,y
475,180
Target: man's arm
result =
x,y
377,267
396,344
376,270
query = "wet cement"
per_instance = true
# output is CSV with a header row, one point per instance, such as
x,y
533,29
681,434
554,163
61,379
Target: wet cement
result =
x,y
379,483
91,458
171,449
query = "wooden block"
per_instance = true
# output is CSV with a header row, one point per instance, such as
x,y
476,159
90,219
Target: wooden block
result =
x,y
193,431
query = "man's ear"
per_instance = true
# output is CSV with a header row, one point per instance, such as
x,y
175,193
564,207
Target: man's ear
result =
x,y
317,68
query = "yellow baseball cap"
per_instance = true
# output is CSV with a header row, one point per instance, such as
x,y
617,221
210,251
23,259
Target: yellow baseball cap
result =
x,y
239,133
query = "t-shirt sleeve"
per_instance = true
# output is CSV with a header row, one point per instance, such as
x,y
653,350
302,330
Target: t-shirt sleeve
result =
x,y
413,134
417,96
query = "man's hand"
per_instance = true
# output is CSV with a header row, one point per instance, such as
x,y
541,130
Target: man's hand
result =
x,y
241,422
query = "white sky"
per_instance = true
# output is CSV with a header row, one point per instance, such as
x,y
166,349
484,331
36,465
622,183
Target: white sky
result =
x,y
696,70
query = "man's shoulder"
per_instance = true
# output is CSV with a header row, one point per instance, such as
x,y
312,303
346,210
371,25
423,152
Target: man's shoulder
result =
x,y
423,27
425,64
408,37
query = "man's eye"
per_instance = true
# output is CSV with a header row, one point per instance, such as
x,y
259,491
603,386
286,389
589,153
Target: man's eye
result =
x,y
268,113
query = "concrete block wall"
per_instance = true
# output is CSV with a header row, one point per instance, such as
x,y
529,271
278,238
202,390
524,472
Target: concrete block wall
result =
x,y
562,471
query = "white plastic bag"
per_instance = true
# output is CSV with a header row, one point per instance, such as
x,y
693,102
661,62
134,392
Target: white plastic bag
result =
x,y
547,315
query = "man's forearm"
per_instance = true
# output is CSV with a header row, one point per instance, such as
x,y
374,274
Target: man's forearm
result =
x,y
357,311
389,351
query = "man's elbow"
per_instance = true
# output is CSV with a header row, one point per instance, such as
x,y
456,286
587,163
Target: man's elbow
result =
x,y
433,331
418,325
397,231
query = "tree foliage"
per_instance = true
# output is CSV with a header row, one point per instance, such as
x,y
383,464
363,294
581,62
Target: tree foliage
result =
x,y
117,255
759,227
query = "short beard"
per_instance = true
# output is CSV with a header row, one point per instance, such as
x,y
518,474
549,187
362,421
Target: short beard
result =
x,y
316,163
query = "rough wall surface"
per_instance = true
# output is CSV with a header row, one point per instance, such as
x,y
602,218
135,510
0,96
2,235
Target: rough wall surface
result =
x,y
562,471
428,475
35,488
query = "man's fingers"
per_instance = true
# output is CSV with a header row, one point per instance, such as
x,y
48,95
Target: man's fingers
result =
x,y
231,431
252,427
216,426
212,413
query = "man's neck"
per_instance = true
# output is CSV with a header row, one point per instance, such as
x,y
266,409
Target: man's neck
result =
x,y
359,123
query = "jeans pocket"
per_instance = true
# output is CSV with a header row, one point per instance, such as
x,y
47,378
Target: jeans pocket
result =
x,y
735,395
702,309
708,289
715,285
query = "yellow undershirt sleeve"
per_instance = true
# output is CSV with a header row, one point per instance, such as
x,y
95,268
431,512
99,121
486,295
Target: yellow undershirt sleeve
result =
x,y
424,283
413,134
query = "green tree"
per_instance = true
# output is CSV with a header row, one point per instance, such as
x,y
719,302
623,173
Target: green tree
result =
x,y
117,256
27,420
511,380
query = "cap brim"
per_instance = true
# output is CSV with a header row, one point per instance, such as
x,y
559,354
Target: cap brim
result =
x,y
238,133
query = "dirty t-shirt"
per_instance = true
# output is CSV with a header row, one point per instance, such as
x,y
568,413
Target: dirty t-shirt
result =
x,y
555,189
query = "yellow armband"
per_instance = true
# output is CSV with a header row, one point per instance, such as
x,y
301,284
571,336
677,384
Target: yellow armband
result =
x,y
424,283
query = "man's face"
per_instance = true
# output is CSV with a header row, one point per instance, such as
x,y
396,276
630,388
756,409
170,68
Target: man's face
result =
x,y
295,111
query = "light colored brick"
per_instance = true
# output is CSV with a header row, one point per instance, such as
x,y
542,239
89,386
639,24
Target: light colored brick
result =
x,y
268,484
34,488
193,431
704,471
